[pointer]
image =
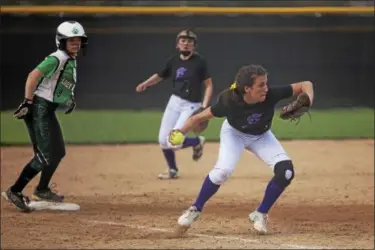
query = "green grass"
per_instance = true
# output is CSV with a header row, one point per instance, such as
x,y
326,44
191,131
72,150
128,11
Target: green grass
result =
x,y
137,127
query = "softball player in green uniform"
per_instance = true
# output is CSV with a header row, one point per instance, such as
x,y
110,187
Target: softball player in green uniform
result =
x,y
49,86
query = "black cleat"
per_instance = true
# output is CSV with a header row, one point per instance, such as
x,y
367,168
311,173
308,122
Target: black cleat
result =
x,y
20,201
47,195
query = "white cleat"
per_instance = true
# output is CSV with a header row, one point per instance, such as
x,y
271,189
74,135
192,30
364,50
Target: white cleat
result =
x,y
198,150
169,174
260,221
186,219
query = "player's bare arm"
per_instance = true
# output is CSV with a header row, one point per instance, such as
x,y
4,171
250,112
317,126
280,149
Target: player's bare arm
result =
x,y
196,119
152,80
303,87
208,92
30,87
32,82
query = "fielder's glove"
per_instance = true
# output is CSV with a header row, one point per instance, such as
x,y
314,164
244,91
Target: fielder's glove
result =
x,y
296,109
24,109
199,128
71,106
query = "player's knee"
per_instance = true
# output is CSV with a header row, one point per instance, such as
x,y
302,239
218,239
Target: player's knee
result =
x,y
37,164
62,153
284,173
55,157
219,176
58,155
163,141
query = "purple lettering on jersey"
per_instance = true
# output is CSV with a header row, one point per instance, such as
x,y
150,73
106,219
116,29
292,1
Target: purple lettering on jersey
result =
x,y
180,72
254,118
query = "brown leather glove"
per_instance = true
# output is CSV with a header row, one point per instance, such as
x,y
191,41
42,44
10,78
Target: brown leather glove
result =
x,y
294,110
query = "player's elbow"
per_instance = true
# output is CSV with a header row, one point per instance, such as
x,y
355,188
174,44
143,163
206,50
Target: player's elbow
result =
x,y
35,74
308,87
33,77
208,83
308,83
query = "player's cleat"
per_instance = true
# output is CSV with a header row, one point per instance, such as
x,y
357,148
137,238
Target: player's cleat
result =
x,y
186,219
260,221
17,199
198,150
189,216
169,174
47,195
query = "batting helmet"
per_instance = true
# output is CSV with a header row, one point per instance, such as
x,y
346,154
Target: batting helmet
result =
x,y
68,30
187,34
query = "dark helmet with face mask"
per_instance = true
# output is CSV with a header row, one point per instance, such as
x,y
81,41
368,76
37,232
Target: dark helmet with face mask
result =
x,y
68,30
187,34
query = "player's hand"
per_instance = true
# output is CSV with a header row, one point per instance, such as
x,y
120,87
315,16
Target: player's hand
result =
x,y
72,105
141,87
24,109
175,139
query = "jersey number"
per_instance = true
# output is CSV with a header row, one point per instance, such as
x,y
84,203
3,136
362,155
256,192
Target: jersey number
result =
x,y
183,86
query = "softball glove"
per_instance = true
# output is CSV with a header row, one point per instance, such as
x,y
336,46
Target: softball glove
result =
x,y
296,109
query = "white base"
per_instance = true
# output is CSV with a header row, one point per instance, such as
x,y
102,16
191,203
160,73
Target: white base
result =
x,y
45,205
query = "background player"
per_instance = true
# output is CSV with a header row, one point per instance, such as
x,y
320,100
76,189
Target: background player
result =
x,y
188,71
249,108
50,85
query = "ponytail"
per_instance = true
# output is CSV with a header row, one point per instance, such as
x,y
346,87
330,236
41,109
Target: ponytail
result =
x,y
230,94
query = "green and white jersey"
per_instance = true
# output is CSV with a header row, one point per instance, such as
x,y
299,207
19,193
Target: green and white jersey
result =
x,y
60,76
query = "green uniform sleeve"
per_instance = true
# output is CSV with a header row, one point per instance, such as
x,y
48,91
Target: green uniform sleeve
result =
x,y
48,66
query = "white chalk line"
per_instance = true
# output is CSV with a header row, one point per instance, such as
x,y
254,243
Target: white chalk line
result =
x,y
155,229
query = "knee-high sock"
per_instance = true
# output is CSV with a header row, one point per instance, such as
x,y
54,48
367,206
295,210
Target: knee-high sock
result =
x,y
208,189
46,175
272,193
190,142
170,157
27,174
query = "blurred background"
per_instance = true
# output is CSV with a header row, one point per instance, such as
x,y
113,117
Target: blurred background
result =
x,y
330,43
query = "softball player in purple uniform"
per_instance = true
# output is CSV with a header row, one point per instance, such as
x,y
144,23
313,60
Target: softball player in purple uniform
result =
x,y
190,76
249,109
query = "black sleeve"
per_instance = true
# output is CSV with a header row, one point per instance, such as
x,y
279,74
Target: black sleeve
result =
x,y
278,93
166,71
205,71
219,109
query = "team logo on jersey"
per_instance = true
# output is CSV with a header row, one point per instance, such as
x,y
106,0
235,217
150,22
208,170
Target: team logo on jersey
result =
x,y
180,72
254,118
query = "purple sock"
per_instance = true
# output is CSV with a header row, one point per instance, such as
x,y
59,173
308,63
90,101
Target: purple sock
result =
x,y
170,157
190,142
208,189
271,194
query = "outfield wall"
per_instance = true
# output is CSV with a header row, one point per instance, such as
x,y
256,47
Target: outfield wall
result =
x,y
336,52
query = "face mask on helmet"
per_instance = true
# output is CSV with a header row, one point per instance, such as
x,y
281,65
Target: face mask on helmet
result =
x,y
186,42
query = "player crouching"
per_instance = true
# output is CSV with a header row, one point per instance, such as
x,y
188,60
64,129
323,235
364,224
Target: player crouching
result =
x,y
248,106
